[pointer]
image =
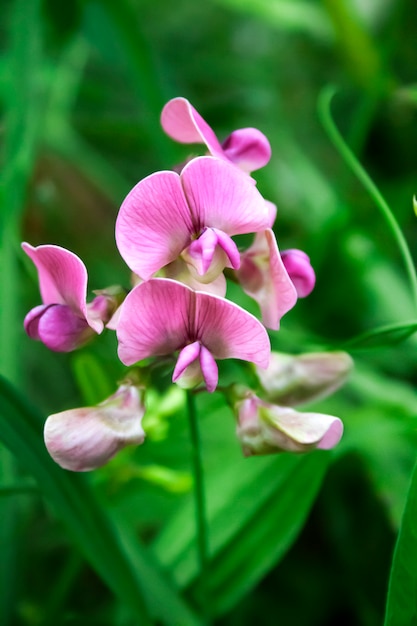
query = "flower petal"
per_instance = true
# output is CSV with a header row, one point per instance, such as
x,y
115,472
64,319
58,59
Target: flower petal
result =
x,y
247,148
84,439
264,278
161,316
209,254
183,123
154,320
31,321
188,354
209,369
265,428
228,331
62,330
154,223
298,266
62,276
304,430
221,196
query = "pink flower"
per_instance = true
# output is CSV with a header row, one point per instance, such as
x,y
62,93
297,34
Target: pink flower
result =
x,y
265,428
263,276
246,148
298,266
192,214
85,439
162,316
64,321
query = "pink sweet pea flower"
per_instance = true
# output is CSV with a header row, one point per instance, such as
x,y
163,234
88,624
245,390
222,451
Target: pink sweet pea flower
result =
x,y
265,428
298,266
162,316
64,321
84,439
263,277
192,214
246,148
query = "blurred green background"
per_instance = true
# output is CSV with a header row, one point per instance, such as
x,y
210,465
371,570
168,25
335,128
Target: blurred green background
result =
x,y
304,540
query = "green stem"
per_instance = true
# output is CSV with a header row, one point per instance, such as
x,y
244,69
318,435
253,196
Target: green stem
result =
x,y
200,502
352,162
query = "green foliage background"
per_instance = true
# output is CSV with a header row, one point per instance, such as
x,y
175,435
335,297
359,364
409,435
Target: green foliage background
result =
x,y
307,540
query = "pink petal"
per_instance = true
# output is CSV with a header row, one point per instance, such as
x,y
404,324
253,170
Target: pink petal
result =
x,y
221,196
272,212
161,316
187,355
298,266
229,247
263,277
308,429
265,428
209,369
154,224
31,321
210,253
247,148
62,330
183,123
228,331
62,276
84,439
154,320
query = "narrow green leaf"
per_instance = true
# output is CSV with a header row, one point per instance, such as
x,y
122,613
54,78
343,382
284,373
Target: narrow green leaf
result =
x,y
382,336
88,524
256,507
267,536
401,609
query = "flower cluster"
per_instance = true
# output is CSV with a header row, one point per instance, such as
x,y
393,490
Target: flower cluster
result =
x,y
175,232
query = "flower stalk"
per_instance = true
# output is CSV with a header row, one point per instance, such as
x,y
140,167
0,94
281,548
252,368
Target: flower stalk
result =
x,y
200,506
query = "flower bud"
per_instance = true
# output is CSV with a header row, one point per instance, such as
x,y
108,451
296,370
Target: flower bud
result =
x,y
265,428
292,380
86,438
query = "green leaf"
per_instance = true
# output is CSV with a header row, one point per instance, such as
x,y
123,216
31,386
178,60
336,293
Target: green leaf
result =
x,y
77,506
255,509
267,535
382,336
401,607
